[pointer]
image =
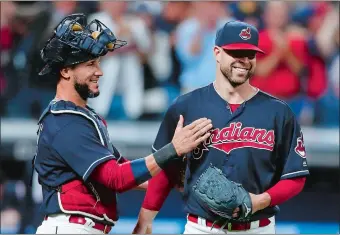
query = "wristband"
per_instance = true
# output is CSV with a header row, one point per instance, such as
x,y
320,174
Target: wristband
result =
x,y
164,155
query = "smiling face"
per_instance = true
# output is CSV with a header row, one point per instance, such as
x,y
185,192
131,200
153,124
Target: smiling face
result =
x,y
237,66
84,78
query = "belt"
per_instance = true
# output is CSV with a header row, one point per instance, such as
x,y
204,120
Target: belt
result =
x,y
229,226
76,219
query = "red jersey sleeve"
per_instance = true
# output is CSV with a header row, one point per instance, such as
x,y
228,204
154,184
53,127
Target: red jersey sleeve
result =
x,y
118,177
160,186
121,176
285,190
158,190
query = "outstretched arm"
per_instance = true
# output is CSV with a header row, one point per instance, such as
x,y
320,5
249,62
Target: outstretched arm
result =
x,y
144,223
156,194
123,177
160,186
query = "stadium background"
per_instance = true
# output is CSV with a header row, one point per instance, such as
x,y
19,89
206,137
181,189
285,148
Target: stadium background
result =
x,y
144,78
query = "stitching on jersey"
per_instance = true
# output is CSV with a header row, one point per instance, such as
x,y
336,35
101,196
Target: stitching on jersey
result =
x,y
153,148
294,173
105,217
82,114
95,163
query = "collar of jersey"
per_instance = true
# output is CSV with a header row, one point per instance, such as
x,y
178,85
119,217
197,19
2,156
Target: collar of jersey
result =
x,y
218,97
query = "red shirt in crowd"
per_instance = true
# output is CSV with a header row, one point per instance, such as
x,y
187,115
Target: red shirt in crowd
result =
x,y
282,81
6,41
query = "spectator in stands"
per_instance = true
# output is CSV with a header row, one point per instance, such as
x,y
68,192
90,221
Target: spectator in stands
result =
x,y
309,18
162,68
327,45
46,22
88,7
33,25
163,54
9,216
123,70
285,70
6,43
248,11
194,40
152,108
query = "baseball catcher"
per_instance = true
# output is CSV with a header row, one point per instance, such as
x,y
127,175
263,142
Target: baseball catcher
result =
x,y
78,167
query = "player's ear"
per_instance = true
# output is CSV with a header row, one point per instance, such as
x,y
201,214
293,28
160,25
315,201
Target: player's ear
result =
x,y
65,73
217,53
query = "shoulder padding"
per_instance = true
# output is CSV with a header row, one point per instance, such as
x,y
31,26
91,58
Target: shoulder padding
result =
x,y
62,106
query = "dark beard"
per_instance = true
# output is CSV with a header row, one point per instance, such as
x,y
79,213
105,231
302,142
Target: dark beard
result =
x,y
227,74
84,91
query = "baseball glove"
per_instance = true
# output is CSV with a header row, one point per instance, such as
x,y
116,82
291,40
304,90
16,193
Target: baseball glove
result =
x,y
222,196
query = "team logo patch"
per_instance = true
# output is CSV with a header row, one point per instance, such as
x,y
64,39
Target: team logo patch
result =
x,y
245,34
234,137
300,146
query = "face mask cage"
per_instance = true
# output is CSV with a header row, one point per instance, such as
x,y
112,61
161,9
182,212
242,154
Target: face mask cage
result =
x,y
82,42
94,38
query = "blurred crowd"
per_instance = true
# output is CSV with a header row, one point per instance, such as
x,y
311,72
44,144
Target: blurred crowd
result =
x,y
169,53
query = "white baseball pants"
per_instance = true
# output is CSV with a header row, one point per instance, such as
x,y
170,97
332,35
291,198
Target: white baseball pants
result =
x,y
201,228
59,224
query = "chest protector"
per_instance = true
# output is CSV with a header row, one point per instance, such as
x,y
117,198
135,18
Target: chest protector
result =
x,y
97,201
60,107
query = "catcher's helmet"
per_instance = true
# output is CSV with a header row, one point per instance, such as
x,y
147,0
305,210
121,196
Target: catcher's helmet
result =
x,y
74,42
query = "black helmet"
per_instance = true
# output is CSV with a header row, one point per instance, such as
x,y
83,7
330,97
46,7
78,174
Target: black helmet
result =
x,y
74,41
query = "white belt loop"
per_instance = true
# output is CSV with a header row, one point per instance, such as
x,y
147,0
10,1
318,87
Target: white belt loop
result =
x,y
255,224
89,222
201,221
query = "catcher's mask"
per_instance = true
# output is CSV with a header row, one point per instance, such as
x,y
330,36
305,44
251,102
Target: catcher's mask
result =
x,y
75,42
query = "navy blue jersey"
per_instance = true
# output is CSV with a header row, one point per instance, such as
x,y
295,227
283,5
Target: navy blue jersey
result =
x,y
72,141
257,145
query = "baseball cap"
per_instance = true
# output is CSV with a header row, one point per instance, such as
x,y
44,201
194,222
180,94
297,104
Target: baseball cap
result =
x,y
238,35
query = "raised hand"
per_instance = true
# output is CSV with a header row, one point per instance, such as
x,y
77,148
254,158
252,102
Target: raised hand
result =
x,y
189,137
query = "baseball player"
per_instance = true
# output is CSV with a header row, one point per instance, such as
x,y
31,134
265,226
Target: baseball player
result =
x,y
256,142
78,167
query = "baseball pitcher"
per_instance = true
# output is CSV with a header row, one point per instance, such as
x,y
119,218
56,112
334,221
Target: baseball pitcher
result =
x,y
254,160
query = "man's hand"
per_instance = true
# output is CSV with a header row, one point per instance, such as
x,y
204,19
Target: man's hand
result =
x,y
235,212
144,223
189,137
260,201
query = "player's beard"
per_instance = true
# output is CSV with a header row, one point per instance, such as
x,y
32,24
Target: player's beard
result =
x,y
227,73
83,90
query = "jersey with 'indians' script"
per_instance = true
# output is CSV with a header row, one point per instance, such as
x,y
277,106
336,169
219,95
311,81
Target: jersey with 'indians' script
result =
x,y
257,145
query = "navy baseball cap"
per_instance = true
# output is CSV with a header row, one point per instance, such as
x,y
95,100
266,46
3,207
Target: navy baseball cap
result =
x,y
238,35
